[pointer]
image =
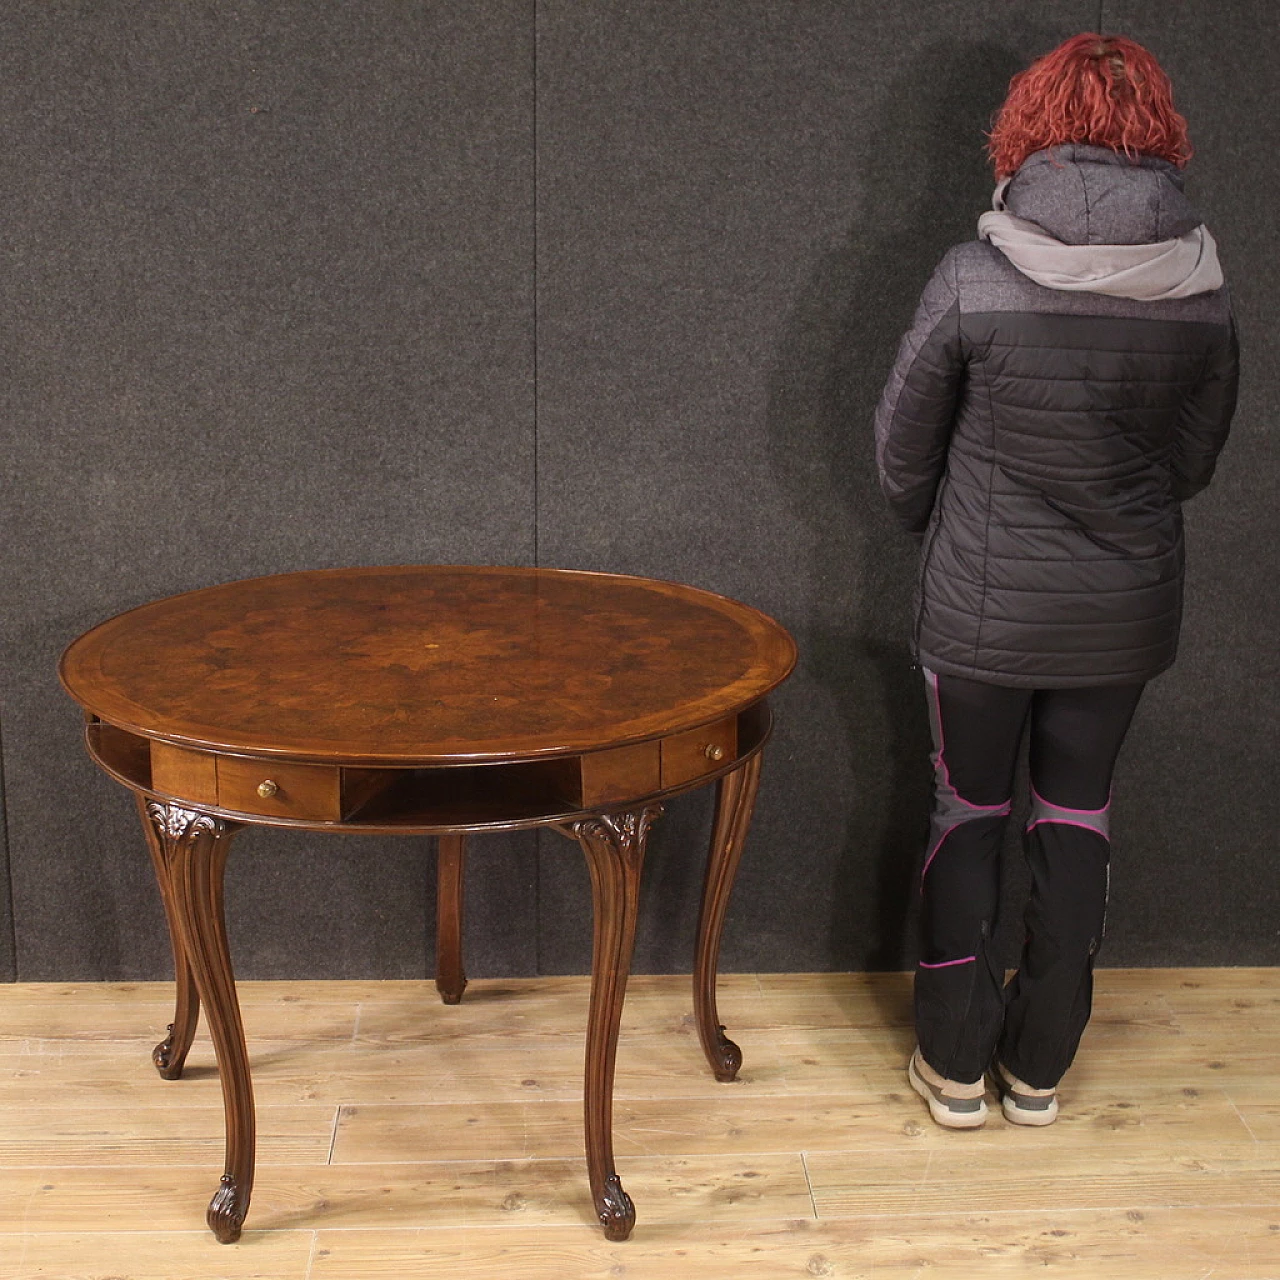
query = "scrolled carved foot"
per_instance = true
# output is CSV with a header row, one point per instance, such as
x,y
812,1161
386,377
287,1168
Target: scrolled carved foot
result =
x,y
227,1211
617,1213
162,1056
727,1058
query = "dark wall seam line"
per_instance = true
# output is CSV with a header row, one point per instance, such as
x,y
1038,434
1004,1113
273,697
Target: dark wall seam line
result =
x,y
9,942
534,96
537,835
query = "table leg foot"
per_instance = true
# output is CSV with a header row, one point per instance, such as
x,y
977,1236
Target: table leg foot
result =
x,y
616,1212
170,1055
451,981
227,1211
723,1056
735,800
169,1058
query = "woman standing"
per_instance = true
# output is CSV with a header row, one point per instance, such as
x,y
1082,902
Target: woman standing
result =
x,y
1066,384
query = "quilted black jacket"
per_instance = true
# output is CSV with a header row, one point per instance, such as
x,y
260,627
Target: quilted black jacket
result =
x,y
1042,441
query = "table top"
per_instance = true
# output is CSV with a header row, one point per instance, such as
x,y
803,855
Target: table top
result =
x,y
427,664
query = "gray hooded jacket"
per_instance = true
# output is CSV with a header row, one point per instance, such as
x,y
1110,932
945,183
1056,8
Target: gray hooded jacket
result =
x,y
1042,436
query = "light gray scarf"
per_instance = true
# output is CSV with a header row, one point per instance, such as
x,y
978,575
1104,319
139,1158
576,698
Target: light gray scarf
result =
x,y
1149,272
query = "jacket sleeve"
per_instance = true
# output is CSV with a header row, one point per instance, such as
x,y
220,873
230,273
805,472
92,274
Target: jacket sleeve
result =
x,y
914,418
1205,419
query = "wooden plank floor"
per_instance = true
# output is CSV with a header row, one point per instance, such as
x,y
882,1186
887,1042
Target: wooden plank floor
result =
x,y
400,1137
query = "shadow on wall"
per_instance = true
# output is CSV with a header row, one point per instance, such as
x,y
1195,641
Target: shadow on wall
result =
x,y
923,182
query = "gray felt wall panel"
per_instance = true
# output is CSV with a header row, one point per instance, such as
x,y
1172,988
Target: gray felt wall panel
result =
x,y
738,205
1194,879
270,307
278,299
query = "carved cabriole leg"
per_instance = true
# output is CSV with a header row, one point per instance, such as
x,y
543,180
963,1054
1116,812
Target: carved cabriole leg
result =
x,y
735,799
171,1053
614,845
195,847
451,981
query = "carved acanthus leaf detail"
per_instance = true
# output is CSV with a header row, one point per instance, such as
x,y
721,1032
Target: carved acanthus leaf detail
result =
x,y
174,822
625,831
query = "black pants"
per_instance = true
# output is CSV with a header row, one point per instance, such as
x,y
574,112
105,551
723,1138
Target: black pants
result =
x,y
965,1015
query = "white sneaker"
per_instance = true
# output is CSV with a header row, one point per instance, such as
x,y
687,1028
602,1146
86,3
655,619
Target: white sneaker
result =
x,y
951,1104
1021,1103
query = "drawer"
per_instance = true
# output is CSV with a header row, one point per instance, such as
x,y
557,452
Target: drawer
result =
x,y
269,788
280,790
234,782
687,756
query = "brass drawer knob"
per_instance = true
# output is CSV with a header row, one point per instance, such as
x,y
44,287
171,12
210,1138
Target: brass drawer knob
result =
x,y
268,788
713,751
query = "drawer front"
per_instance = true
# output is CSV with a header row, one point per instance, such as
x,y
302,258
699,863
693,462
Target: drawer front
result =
x,y
278,790
687,756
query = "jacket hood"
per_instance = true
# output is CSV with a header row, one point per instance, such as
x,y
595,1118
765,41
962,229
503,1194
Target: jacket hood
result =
x,y
1093,195
1085,219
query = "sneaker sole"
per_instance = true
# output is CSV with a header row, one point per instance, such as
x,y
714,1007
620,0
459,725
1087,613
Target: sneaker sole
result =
x,y
1035,1117
1015,1114
941,1114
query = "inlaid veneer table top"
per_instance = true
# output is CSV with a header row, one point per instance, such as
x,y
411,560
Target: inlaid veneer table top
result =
x,y
435,700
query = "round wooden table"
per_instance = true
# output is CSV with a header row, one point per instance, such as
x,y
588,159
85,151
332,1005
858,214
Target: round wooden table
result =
x,y
431,700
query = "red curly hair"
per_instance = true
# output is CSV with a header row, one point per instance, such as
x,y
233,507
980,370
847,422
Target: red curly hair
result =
x,y
1106,91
